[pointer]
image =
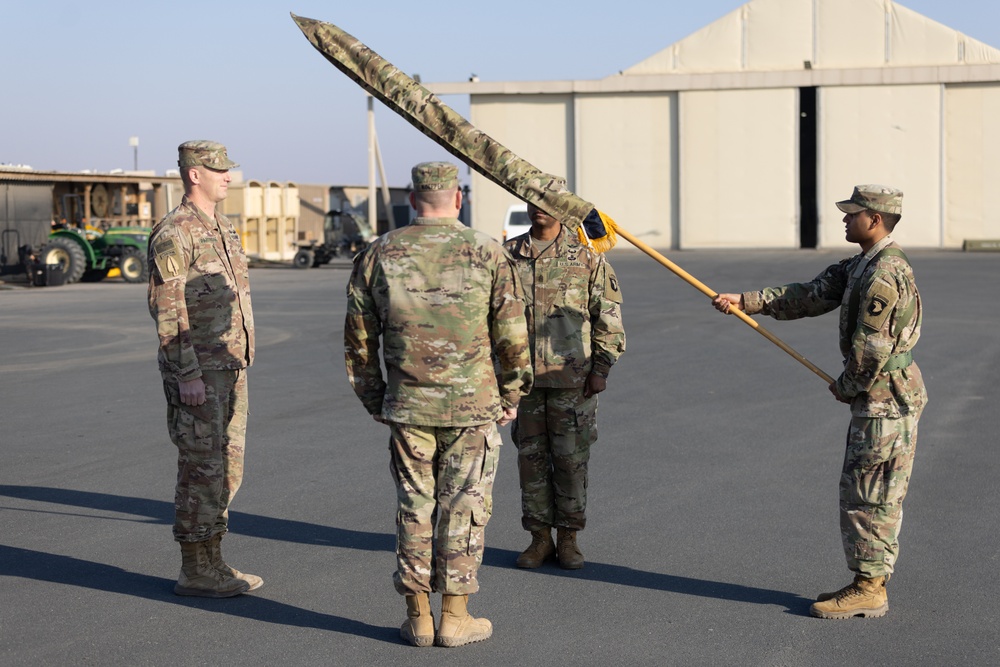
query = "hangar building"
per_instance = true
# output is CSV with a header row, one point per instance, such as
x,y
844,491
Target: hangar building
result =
x,y
745,133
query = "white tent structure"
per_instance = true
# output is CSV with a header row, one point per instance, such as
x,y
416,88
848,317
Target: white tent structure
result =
x,y
746,132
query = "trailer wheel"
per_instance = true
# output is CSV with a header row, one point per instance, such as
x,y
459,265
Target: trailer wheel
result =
x,y
68,255
133,266
304,259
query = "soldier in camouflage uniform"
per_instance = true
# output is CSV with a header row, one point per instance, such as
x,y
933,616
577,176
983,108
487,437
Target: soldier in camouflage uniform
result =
x,y
575,327
880,316
199,296
444,300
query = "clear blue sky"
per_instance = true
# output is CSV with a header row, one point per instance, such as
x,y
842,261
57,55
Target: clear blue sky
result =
x,y
79,78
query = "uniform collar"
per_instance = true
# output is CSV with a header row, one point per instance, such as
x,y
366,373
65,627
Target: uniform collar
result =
x,y
208,222
436,222
867,257
526,246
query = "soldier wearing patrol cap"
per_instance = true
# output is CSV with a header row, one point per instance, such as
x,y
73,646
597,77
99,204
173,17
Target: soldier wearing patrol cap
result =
x,y
445,302
880,317
199,297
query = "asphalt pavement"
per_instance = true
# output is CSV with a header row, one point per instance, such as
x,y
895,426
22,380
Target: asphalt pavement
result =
x,y
713,518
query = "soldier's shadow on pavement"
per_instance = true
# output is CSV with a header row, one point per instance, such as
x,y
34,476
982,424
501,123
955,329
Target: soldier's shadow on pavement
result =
x,y
285,530
29,564
251,525
626,576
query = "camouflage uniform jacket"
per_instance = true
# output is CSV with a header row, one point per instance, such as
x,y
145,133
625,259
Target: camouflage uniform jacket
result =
x,y
888,324
573,307
199,294
446,302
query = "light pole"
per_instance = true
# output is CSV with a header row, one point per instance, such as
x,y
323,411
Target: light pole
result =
x,y
134,143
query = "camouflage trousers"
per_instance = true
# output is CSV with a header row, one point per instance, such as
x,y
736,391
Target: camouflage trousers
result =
x,y
873,483
444,490
554,431
210,439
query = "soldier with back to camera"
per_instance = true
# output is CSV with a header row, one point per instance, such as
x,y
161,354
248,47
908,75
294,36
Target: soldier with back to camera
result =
x,y
445,303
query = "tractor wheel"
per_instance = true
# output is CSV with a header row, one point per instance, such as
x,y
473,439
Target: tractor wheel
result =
x,y
133,266
68,255
304,259
94,275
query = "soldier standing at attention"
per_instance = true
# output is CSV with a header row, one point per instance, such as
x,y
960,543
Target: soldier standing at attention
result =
x,y
445,302
199,296
576,333
880,317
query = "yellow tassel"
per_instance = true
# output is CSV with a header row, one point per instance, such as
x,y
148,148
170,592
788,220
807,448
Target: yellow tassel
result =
x,y
606,242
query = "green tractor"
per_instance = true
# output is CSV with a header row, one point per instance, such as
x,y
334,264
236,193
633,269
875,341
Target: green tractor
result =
x,y
89,254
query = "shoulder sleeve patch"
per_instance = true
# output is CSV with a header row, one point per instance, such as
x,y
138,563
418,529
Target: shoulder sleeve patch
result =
x,y
879,302
612,290
167,257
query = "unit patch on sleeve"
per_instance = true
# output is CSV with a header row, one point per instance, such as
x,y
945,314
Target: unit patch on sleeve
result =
x,y
881,300
167,256
612,292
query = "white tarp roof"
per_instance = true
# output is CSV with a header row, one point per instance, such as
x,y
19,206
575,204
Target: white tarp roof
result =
x,y
772,35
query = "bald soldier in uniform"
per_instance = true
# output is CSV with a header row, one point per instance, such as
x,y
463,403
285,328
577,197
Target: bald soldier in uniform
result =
x,y
445,302
199,297
880,317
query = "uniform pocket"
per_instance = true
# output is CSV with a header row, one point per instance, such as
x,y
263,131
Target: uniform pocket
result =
x,y
477,532
189,432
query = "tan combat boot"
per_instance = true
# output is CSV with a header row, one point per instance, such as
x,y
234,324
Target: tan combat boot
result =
x,y
540,550
570,556
457,627
823,597
215,558
199,579
419,626
863,597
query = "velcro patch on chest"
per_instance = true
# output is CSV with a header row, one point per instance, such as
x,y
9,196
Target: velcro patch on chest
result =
x,y
167,257
879,304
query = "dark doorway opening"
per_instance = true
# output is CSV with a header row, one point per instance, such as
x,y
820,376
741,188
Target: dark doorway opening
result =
x,y
808,127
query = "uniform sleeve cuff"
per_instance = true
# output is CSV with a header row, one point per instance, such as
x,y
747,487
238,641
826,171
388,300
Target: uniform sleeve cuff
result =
x,y
753,302
601,370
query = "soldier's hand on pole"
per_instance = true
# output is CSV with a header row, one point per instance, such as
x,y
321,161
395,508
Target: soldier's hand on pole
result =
x,y
836,394
723,302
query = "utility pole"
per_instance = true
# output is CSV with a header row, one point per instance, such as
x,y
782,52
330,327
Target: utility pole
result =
x,y
134,143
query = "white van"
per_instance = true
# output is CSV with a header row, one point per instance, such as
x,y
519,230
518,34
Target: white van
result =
x,y
516,222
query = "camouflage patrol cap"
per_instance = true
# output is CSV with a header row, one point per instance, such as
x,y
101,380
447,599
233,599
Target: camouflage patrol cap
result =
x,y
879,198
206,153
434,176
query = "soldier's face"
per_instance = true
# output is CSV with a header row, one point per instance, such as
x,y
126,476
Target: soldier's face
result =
x,y
540,218
215,183
857,227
